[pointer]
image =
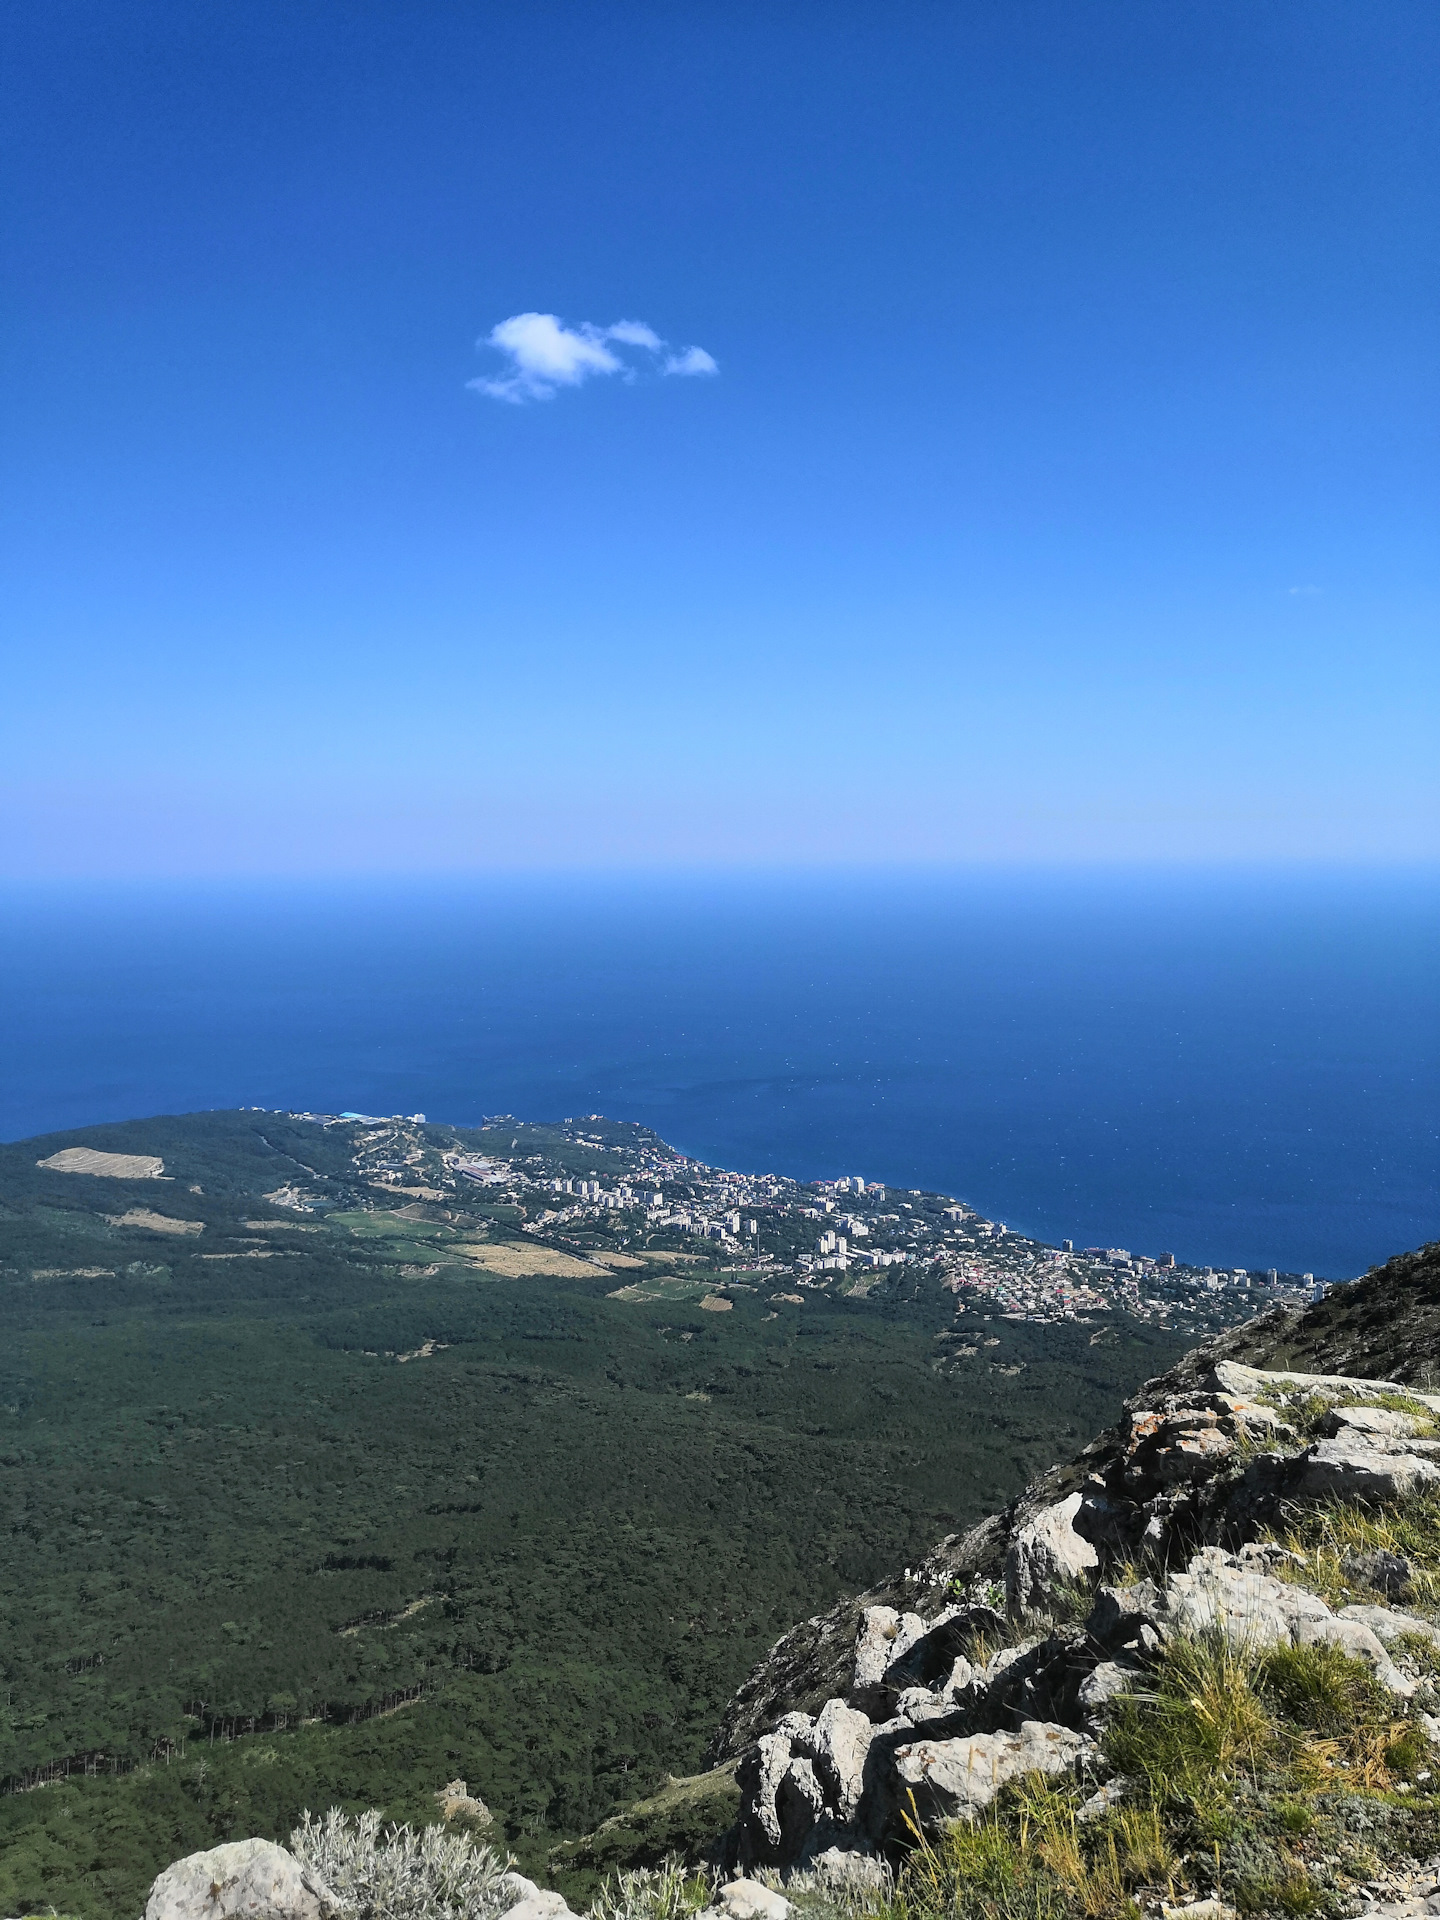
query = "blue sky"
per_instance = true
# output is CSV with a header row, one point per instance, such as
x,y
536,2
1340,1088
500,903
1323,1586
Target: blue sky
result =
x,y
1064,488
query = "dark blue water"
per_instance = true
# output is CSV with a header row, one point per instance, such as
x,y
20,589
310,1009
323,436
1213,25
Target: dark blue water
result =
x,y
1241,1069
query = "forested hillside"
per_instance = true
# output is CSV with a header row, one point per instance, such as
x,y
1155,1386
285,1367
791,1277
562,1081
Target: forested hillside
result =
x,y
295,1515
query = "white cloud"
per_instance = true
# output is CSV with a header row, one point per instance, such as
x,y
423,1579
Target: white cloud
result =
x,y
690,360
545,355
635,333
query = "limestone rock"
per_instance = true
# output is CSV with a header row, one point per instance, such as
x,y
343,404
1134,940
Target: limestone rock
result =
x,y
957,1779
843,1872
931,1657
760,1789
1386,1422
800,1798
543,1904
1256,1420
456,1802
1351,1469
247,1879
1356,1639
540,1905
531,1902
1046,1549
1034,1680
1121,1614
796,1726
751,1900
1264,1556
921,1705
1389,1623
1102,1800
885,1636
839,1745
1218,1592
1229,1376
1176,1446
1104,1684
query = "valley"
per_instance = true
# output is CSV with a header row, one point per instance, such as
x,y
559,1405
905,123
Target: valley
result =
x,y
341,1491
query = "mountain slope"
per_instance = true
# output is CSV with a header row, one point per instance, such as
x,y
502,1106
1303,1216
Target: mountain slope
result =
x,y
1209,1644
1385,1325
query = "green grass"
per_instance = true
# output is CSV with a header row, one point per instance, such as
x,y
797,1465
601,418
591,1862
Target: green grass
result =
x,y
1249,1773
1323,1537
1031,1858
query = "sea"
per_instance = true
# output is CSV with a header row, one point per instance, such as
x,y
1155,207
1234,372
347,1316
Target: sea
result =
x,y
1239,1067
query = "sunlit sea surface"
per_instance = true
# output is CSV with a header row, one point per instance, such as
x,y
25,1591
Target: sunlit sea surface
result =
x,y
1241,1069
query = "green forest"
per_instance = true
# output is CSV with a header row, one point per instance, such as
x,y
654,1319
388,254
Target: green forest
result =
x,y
297,1517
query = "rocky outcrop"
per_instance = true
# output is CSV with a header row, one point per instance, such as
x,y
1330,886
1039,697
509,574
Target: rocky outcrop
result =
x,y
1234,1595
457,1803
956,1779
748,1900
1044,1551
249,1879
1005,1650
944,1697
844,1782
1207,1454
527,1901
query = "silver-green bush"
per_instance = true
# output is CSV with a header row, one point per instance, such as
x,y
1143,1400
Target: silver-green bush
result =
x,y
667,1892
402,1874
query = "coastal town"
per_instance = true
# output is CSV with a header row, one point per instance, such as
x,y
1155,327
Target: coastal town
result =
x,y
619,1195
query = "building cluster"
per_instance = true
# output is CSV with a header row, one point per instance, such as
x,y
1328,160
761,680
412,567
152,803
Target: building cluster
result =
x,y
838,1234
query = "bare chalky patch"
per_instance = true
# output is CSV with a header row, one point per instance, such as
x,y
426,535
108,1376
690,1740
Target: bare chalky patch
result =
x,y
154,1222
108,1166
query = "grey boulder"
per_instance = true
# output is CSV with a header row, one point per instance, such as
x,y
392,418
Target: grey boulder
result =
x,y
249,1879
1221,1592
752,1900
1385,1422
838,1746
957,1779
1389,1623
1351,1467
884,1637
1046,1549
1105,1683
532,1902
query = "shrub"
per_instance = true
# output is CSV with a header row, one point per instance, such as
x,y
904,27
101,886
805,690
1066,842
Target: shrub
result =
x,y
667,1892
1290,1892
824,1892
402,1874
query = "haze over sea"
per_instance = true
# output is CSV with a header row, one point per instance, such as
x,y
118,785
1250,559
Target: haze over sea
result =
x,y
1237,1067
